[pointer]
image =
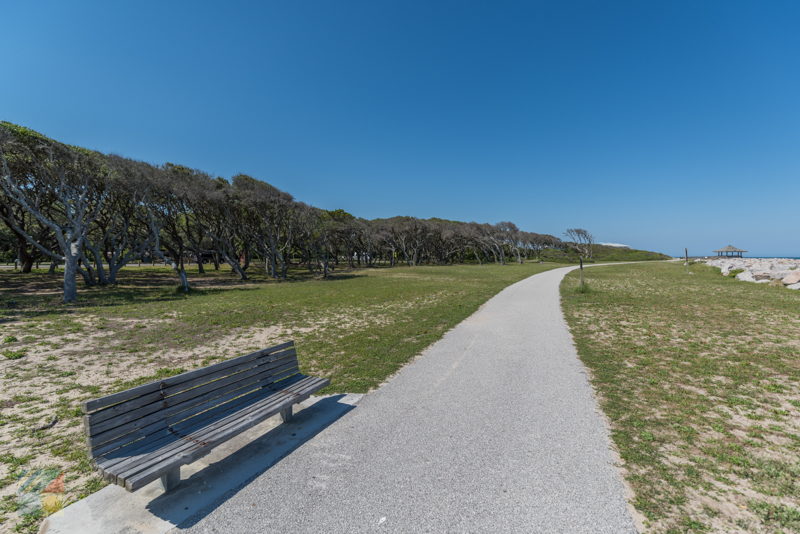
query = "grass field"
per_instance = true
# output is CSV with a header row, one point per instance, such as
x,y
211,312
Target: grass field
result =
x,y
357,328
699,375
603,253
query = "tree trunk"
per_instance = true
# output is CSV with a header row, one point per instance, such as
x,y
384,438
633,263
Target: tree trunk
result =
x,y
180,270
199,256
183,278
86,271
26,265
176,266
246,262
273,252
70,271
25,258
112,273
53,265
99,267
235,266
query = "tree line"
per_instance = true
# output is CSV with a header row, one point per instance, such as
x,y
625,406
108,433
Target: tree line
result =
x,y
94,213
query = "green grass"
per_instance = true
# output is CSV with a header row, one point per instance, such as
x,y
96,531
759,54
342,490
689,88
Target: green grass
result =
x,y
13,354
699,376
357,328
604,253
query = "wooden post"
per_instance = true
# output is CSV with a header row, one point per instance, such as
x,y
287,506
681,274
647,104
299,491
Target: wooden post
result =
x,y
686,261
286,414
171,478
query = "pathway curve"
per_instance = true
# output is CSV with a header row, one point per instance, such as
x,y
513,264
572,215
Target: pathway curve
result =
x,y
493,429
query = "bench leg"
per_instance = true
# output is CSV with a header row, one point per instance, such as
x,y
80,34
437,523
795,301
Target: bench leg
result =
x,y
286,414
171,478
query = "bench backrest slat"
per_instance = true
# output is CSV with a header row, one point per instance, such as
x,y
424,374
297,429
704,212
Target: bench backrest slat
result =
x,y
160,420
169,396
115,398
123,417
205,413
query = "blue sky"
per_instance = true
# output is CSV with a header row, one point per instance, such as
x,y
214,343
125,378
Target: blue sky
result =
x,y
655,124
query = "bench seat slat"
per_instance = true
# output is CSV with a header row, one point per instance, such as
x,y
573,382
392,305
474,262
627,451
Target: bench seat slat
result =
x,y
236,426
104,432
152,430
156,439
140,450
131,463
133,474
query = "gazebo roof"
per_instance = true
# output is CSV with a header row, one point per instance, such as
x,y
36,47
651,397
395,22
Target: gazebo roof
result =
x,y
730,248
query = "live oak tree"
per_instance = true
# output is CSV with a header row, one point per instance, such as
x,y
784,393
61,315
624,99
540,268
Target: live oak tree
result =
x,y
122,228
34,168
96,213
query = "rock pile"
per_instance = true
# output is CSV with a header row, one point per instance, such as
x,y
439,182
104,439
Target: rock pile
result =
x,y
761,270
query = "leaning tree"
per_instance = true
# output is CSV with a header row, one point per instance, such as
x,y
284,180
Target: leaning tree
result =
x,y
582,240
62,187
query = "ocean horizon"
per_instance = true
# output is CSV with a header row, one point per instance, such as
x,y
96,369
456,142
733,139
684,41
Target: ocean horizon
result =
x,y
752,257
761,257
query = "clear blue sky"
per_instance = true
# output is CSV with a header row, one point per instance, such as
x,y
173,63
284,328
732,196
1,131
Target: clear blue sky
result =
x,y
655,124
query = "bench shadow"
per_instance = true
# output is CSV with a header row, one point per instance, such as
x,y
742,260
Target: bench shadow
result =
x,y
205,490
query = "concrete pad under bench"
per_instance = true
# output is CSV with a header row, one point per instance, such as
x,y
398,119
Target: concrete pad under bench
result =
x,y
205,483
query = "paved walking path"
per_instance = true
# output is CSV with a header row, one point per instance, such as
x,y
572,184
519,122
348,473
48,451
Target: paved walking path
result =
x,y
493,429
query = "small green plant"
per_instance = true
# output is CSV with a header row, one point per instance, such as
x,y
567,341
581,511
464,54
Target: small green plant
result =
x,y
583,288
777,514
733,272
14,354
14,461
166,372
10,339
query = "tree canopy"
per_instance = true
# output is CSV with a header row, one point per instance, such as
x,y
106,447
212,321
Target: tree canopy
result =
x,y
95,213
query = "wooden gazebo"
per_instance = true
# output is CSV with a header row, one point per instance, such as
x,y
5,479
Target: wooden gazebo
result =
x,y
730,252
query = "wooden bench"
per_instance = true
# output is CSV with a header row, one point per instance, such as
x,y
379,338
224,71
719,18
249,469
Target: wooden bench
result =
x,y
147,432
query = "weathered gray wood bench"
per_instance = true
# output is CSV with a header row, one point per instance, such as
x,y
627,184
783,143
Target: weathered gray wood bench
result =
x,y
147,432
